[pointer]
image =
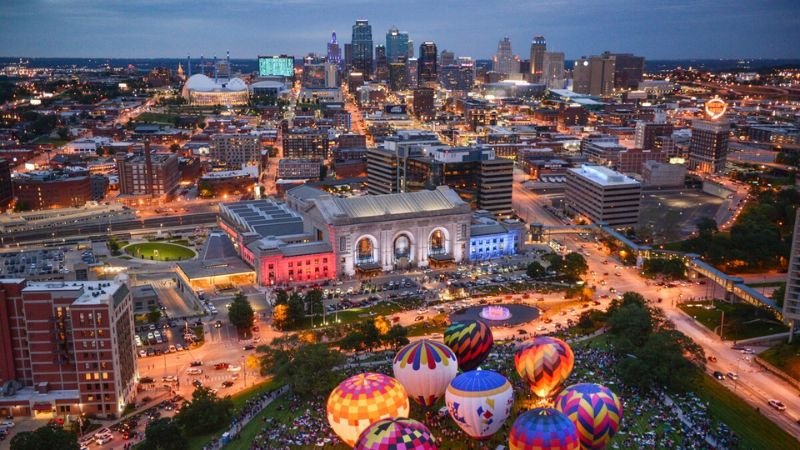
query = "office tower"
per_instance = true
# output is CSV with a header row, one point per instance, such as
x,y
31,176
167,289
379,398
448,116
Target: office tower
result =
x,y
70,345
538,49
396,44
708,147
628,70
426,64
411,66
494,186
602,195
447,58
553,70
457,77
348,56
362,48
236,150
595,75
334,52
423,103
504,61
381,64
791,300
398,74
331,75
5,184
647,132
305,143
410,50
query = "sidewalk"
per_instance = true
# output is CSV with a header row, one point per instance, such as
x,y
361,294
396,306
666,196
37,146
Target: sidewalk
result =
x,y
679,412
241,422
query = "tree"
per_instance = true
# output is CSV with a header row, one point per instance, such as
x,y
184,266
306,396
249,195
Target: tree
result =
x,y
204,413
575,266
314,300
778,295
396,337
163,434
154,314
706,227
308,369
45,438
383,325
554,261
280,317
372,336
205,189
241,314
297,310
536,270
281,297
174,148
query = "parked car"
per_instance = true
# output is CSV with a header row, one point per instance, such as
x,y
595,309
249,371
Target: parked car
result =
x,y
196,363
777,404
719,375
732,375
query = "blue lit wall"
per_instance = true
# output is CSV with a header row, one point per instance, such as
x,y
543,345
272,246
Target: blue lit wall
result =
x,y
492,246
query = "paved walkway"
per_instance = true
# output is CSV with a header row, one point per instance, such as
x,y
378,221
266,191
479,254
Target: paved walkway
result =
x,y
686,421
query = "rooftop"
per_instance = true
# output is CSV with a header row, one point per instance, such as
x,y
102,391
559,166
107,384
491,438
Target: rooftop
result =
x,y
87,292
264,217
604,176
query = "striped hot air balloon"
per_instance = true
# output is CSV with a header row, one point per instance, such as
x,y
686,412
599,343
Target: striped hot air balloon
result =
x,y
544,362
595,411
425,368
400,434
479,401
543,429
363,399
471,341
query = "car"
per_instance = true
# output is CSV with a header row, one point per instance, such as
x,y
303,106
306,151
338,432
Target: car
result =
x,y
748,351
732,375
719,375
142,353
419,318
227,383
712,358
249,347
179,347
172,349
197,383
194,371
7,424
218,324
234,368
104,439
196,363
221,366
776,404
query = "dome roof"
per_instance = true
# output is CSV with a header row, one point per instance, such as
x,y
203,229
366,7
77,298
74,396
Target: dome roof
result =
x,y
200,82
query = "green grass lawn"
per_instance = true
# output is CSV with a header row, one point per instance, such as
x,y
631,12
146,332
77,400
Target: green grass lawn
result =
x,y
742,321
159,251
156,118
754,430
356,314
785,357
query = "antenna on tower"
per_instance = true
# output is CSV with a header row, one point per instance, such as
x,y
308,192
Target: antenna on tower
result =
x,y
189,65
228,58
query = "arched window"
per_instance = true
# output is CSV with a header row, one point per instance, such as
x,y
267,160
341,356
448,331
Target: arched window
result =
x,y
402,247
365,251
437,244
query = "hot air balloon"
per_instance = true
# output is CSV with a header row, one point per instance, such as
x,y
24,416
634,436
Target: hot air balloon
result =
x,y
471,341
362,400
544,362
425,368
405,434
479,401
595,411
543,429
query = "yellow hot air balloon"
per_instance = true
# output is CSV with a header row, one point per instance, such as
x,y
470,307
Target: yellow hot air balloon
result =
x,y
544,362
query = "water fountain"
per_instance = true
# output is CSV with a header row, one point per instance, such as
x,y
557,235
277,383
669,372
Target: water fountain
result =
x,y
496,313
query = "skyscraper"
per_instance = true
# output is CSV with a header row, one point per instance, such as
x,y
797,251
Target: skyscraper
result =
x,y
628,70
504,61
708,147
334,52
426,64
447,58
538,48
410,50
396,44
595,75
398,74
381,65
553,70
362,47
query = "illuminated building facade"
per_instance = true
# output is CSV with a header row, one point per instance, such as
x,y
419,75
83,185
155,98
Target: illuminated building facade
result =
x,y
708,148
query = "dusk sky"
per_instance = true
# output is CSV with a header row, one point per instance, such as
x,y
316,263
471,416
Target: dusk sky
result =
x,y
656,29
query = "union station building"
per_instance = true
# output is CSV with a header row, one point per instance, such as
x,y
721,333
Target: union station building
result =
x,y
315,236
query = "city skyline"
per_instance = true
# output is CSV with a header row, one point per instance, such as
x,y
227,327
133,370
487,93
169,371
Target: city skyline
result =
x,y
153,29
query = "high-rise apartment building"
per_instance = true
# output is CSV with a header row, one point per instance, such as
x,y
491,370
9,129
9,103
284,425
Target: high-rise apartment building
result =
x,y
238,150
396,44
427,73
398,74
71,346
603,196
538,49
708,147
553,70
334,55
447,58
423,103
305,143
504,61
362,48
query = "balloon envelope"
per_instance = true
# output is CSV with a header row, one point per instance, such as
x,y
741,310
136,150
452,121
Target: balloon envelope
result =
x,y
425,368
543,429
544,362
400,434
362,400
471,341
595,410
479,401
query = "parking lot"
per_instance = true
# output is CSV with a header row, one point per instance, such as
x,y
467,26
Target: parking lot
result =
x,y
37,263
166,336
